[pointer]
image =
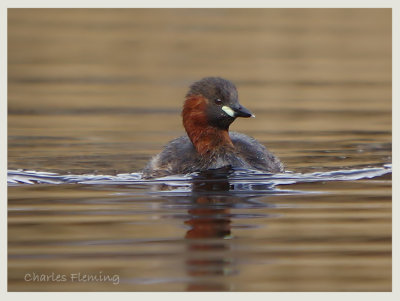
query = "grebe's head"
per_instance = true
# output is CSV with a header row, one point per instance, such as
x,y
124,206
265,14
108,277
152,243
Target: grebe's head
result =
x,y
213,101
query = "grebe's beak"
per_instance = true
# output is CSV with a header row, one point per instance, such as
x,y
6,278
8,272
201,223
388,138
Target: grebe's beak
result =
x,y
237,111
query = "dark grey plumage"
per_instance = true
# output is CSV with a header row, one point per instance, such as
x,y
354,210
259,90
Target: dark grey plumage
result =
x,y
180,157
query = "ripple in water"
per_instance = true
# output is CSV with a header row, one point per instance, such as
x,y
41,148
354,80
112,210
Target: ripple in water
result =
x,y
239,180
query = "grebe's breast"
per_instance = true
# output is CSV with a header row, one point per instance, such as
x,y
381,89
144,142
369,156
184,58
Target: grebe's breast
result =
x,y
180,157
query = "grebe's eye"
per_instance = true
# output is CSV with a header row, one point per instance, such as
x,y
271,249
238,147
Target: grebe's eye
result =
x,y
218,101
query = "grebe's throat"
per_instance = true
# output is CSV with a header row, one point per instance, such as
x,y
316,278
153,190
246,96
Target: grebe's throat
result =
x,y
206,139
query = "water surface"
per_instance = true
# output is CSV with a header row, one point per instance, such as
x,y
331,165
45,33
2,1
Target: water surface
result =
x,y
99,92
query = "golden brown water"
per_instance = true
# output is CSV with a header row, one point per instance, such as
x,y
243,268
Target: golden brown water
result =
x,y
99,92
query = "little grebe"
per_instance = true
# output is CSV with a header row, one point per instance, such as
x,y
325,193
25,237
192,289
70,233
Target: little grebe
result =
x,y
211,105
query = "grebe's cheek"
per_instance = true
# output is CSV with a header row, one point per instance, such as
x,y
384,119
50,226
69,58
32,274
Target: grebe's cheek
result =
x,y
228,111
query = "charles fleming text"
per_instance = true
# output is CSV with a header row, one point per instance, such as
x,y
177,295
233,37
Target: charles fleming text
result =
x,y
72,277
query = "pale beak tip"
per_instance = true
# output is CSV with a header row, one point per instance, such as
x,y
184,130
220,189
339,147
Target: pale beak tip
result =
x,y
253,116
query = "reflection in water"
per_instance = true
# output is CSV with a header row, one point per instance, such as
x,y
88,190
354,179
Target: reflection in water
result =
x,y
214,224
210,228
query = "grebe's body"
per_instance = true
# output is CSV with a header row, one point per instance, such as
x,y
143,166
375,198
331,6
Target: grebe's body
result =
x,y
211,106
180,157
